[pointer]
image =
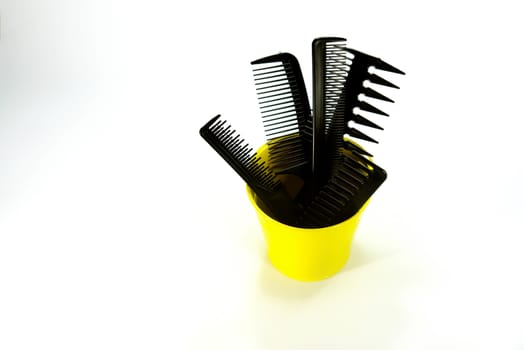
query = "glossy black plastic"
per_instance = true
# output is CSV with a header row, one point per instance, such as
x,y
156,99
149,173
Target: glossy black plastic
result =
x,y
286,114
251,168
334,175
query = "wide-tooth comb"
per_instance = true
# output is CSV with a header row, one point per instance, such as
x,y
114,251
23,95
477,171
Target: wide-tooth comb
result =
x,y
353,181
285,110
360,72
330,69
253,170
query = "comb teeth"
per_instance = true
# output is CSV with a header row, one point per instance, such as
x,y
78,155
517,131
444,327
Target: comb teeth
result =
x,y
375,62
353,181
375,79
369,108
363,121
286,154
331,65
369,92
353,132
353,88
336,71
228,143
353,147
285,110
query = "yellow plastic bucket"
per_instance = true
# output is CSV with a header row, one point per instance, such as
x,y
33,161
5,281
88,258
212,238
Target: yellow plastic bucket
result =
x,y
302,253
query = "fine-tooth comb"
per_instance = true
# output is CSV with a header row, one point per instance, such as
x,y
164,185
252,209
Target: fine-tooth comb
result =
x,y
285,110
354,87
353,181
253,170
313,174
330,69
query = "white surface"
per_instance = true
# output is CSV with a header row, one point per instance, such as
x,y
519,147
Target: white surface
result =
x,y
121,229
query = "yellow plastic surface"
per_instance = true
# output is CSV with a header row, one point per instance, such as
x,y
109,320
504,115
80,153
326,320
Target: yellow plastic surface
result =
x,y
306,254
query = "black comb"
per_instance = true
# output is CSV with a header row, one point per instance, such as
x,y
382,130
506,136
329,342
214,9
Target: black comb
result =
x,y
330,70
354,87
353,181
253,170
313,174
285,110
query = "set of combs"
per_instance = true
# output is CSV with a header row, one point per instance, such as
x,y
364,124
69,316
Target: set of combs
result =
x,y
311,144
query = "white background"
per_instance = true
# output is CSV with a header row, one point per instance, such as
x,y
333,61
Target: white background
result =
x,y
121,229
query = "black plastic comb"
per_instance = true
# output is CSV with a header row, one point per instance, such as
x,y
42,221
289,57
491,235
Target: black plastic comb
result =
x,y
330,70
354,87
253,170
285,110
353,181
336,176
